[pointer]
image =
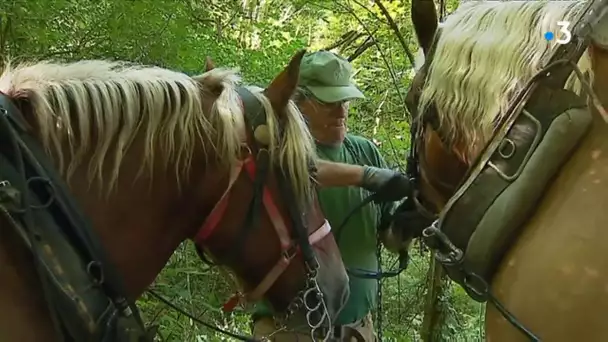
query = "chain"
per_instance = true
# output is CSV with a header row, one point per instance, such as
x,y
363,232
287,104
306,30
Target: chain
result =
x,y
312,300
379,312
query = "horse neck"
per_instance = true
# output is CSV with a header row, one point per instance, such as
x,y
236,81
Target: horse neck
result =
x,y
145,218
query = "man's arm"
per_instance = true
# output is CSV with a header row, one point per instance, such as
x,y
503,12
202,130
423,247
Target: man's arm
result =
x,y
390,185
338,174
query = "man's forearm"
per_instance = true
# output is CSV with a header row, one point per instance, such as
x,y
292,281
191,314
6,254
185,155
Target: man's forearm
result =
x,y
338,174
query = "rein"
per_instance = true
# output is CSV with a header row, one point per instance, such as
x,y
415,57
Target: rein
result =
x,y
199,321
383,195
404,257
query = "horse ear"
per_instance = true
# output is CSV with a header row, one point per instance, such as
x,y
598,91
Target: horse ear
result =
x,y
209,64
424,18
284,85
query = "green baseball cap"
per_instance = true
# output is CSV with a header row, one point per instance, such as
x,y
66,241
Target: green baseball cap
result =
x,y
328,77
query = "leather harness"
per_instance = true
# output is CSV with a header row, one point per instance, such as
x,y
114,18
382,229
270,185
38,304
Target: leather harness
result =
x,y
256,167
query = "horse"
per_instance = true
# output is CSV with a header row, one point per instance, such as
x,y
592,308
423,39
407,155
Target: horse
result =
x,y
153,157
552,276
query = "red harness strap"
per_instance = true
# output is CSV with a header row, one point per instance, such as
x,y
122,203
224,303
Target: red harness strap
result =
x,y
287,248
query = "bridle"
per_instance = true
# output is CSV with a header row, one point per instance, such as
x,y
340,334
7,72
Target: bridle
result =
x,y
256,163
415,158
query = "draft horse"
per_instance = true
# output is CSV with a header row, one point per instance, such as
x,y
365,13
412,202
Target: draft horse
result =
x,y
108,166
549,270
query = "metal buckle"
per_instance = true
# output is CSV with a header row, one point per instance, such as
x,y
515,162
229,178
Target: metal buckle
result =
x,y
445,251
290,252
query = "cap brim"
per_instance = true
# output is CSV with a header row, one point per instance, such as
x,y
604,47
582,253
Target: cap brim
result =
x,y
335,94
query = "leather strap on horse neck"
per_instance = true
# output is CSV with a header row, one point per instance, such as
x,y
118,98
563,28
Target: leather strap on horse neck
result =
x,y
75,229
255,166
255,115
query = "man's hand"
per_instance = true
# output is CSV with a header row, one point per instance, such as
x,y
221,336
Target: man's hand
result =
x,y
388,185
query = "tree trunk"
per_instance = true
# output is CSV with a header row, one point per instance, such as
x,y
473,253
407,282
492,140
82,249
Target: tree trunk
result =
x,y
436,281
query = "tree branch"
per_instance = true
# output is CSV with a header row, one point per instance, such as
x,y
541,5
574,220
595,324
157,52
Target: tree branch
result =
x,y
395,28
351,40
361,49
343,39
386,62
382,54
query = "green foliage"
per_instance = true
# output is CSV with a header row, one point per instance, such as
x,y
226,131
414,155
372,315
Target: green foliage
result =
x,y
259,37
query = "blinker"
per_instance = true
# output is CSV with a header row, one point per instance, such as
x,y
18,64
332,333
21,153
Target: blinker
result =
x,y
262,135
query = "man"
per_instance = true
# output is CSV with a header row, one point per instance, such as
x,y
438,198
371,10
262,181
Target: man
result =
x,y
325,90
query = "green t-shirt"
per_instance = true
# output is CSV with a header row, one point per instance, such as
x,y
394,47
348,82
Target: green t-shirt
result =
x,y
357,241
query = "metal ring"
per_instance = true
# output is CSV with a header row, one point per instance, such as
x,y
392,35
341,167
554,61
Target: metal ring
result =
x,y
469,286
507,148
316,296
46,183
247,149
309,319
95,270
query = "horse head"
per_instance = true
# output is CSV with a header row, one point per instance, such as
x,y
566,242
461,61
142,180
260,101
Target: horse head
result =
x,y
433,168
276,136
453,112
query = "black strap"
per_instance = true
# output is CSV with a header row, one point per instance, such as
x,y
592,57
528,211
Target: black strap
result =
x,y
255,116
71,218
18,175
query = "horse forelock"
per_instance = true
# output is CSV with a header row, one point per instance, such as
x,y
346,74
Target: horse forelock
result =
x,y
291,146
93,110
487,51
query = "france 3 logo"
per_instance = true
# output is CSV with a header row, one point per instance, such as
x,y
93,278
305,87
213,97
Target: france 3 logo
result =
x,y
563,34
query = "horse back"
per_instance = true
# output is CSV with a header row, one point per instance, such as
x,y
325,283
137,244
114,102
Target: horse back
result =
x,y
559,259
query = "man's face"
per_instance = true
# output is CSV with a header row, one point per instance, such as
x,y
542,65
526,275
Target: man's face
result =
x,y
326,121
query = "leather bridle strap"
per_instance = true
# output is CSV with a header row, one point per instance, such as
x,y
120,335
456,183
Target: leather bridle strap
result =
x,y
255,114
289,247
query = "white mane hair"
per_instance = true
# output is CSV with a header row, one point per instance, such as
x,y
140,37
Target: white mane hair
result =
x,y
485,53
91,112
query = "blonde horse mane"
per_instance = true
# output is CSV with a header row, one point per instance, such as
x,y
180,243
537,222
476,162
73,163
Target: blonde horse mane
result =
x,y
485,53
93,110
